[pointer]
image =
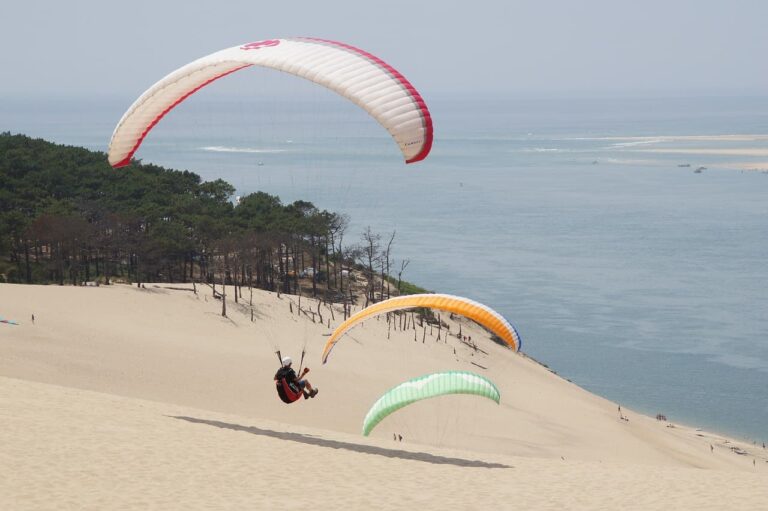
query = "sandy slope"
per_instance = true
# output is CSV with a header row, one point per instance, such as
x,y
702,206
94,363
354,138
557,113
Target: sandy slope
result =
x,y
72,449
155,354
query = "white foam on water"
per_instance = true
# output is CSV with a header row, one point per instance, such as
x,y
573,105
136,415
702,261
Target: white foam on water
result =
x,y
225,149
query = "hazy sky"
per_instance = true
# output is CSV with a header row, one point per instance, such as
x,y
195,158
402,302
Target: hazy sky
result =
x,y
470,47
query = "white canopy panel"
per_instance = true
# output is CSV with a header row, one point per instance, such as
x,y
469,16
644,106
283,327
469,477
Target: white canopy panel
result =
x,y
364,79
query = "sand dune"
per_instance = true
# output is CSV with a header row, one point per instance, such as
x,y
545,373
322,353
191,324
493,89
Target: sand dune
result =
x,y
119,397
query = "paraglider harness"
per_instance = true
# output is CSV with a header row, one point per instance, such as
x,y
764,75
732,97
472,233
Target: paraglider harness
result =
x,y
288,391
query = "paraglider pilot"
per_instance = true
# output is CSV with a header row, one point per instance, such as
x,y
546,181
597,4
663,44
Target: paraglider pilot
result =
x,y
292,384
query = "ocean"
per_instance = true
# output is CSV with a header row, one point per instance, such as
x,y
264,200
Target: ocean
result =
x,y
625,238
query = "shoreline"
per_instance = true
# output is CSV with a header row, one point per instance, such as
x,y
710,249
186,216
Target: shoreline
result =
x,y
713,432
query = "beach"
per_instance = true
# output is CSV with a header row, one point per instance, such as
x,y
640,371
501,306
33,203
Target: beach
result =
x,y
125,398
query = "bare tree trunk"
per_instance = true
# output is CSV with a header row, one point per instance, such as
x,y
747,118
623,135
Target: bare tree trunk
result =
x,y
403,266
315,267
234,284
327,266
26,261
340,262
370,257
296,284
224,296
385,265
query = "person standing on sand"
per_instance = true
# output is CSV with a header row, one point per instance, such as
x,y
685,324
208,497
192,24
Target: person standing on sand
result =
x,y
290,376
33,318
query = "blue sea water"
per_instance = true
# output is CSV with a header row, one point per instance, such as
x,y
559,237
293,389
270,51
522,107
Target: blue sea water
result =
x,y
629,274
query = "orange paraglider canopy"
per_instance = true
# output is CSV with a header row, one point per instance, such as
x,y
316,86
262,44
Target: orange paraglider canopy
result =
x,y
471,309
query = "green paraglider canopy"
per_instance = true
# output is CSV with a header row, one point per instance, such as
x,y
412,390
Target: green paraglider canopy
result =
x,y
425,387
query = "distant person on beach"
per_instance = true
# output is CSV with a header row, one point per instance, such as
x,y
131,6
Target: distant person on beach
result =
x,y
286,372
33,319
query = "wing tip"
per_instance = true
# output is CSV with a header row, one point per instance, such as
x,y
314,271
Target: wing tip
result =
x,y
122,163
425,150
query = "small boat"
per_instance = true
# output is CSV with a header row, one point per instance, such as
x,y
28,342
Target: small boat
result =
x,y
684,165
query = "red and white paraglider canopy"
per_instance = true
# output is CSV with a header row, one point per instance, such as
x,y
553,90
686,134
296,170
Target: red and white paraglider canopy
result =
x,y
364,79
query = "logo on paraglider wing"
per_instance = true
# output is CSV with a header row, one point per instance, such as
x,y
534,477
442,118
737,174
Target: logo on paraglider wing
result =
x,y
260,44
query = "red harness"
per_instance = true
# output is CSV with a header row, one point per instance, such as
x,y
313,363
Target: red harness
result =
x,y
288,393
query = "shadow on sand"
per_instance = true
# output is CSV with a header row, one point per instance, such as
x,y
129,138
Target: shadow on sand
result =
x,y
335,444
